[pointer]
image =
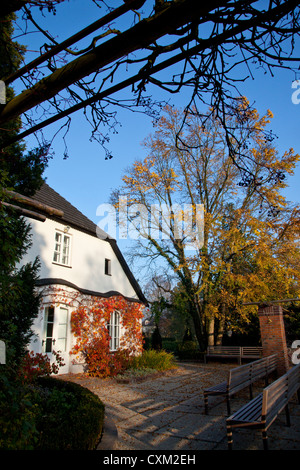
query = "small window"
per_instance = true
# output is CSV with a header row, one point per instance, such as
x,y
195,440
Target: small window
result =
x,y
62,249
107,268
114,331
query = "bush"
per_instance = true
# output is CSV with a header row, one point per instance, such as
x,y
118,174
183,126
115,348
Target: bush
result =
x,y
34,365
18,411
152,359
19,400
189,350
72,416
170,345
48,414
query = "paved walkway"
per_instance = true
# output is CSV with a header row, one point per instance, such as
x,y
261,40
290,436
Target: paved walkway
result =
x,y
167,413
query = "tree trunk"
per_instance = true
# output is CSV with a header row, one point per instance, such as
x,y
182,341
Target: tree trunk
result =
x,y
195,313
221,327
220,333
211,331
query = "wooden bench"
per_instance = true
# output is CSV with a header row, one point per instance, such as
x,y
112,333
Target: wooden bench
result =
x,y
251,352
236,352
241,377
261,412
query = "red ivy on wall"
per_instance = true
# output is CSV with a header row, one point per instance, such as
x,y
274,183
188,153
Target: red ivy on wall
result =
x,y
89,326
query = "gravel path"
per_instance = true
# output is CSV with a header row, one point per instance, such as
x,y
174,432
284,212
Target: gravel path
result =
x,y
167,412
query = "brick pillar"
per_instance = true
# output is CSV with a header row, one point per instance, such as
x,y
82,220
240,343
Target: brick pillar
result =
x,y
273,335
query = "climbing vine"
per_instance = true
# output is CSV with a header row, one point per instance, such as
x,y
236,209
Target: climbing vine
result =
x,y
89,326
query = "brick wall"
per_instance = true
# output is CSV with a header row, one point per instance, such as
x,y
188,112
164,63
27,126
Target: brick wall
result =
x,y
273,335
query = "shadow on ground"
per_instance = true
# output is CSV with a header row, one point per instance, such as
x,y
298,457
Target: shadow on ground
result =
x,y
167,413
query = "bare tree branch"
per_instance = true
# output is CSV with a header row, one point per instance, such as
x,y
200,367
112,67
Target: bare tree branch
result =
x,y
210,44
75,38
11,6
139,36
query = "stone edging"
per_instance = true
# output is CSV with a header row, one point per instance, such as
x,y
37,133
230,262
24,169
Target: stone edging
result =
x,y
109,434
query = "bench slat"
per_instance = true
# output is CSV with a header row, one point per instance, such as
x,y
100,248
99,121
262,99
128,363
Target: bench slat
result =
x,y
264,409
219,388
239,352
249,412
251,351
294,381
223,350
239,378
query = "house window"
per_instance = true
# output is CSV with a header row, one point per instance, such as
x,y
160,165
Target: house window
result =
x,y
107,267
48,330
62,249
55,329
62,330
114,331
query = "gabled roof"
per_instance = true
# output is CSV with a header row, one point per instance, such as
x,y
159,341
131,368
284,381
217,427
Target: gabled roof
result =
x,y
74,218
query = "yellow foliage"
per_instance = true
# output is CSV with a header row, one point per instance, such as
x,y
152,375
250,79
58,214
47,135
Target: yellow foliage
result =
x,y
251,233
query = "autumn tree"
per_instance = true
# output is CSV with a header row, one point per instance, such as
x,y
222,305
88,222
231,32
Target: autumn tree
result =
x,y
244,245
167,305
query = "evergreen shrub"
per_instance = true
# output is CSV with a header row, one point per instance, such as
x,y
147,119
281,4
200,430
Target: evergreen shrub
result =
x,y
189,350
18,411
72,416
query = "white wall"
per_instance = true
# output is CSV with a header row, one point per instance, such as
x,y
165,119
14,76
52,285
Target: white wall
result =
x,y
65,299
88,255
86,271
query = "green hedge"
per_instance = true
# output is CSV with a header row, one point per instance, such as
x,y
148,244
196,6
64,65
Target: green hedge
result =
x,y
18,411
170,345
72,416
48,414
189,350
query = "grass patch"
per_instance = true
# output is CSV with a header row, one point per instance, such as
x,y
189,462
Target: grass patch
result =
x,y
149,364
136,375
152,359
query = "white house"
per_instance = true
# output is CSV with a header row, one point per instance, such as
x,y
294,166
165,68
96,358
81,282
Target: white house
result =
x,y
75,264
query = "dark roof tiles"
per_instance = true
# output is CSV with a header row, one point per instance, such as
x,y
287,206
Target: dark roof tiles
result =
x,y
72,216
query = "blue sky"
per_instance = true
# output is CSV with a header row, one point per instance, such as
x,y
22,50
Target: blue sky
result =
x,y
86,179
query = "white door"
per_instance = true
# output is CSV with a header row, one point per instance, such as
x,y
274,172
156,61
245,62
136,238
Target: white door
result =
x,y
56,335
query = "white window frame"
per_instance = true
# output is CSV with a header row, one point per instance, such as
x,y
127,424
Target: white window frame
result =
x,y
62,249
55,331
48,340
114,330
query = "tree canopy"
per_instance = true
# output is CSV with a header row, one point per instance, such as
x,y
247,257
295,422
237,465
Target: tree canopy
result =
x,y
242,249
